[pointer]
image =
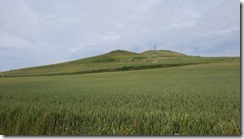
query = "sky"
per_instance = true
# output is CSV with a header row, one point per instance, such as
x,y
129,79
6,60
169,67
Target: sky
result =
x,y
41,32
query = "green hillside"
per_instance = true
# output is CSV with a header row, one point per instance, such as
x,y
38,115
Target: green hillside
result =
x,y
163,53
118,60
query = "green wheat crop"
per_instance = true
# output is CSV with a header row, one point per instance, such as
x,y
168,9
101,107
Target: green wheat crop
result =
x,y
187,100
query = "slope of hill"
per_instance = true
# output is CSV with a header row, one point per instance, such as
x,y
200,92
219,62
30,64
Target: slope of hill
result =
x,y
162,53
118,60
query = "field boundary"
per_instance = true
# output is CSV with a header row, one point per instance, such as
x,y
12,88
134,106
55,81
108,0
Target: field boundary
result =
x,y
123,68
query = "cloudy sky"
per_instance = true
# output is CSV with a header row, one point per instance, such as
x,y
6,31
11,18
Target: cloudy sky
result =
x,y
40,32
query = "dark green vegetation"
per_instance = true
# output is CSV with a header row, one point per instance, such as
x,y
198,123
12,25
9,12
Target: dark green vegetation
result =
x,y
118,60
202,99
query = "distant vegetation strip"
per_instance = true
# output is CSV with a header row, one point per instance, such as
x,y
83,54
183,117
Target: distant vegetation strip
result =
x,y
123,68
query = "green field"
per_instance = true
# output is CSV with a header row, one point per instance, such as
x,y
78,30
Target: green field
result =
x,y
199,99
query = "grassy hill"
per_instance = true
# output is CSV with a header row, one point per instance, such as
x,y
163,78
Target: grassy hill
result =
x,y
162,53
118,60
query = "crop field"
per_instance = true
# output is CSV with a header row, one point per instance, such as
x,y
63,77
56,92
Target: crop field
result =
x,y
188,100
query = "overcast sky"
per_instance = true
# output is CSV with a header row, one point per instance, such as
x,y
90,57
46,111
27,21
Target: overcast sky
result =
x,y
40,32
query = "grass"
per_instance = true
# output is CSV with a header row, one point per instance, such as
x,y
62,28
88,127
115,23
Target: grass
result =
x,y
201,99
116,61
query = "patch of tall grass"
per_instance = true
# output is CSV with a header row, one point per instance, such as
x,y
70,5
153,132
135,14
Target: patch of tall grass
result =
x,y
187,100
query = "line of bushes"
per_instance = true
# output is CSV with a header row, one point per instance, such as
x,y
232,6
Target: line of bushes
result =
x,y
124,68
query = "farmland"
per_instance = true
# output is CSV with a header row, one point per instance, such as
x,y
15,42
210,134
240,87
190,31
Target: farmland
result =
x,y
199,99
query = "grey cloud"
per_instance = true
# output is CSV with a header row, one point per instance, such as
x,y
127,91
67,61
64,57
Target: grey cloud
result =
x,y
58,30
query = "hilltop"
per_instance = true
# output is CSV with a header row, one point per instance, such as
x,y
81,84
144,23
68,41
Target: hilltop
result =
x,y
118,60
163,53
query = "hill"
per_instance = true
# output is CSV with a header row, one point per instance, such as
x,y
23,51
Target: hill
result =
x,y
118,60
163,53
